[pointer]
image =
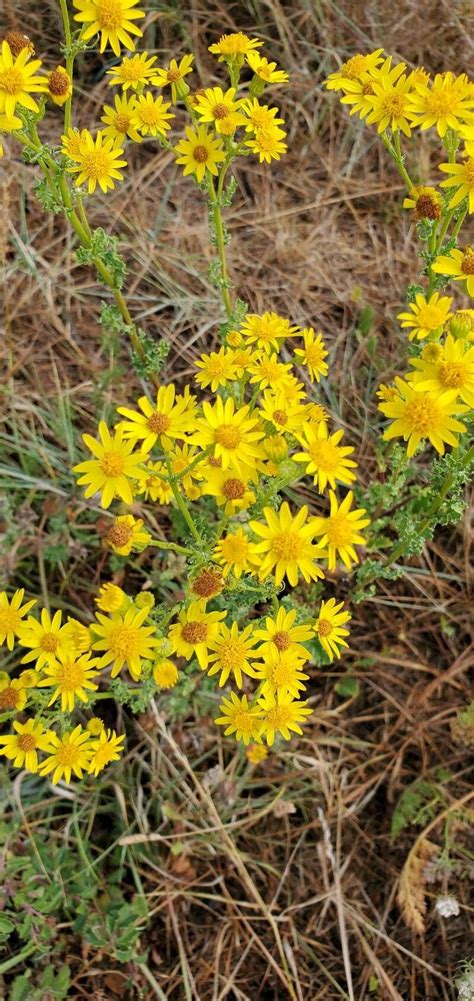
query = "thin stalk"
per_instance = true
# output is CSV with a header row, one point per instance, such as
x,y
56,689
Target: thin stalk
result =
x,y
69,61
395,151
215,205
182,503
171,545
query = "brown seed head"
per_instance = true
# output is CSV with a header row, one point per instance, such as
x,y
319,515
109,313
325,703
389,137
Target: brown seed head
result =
x,y
208,582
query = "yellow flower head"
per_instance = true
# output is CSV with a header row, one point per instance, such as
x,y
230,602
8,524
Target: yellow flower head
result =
x,y
18,41
74,143
199,152
234,47
264,70
240,718
77,636
267,331
283,672
256,753
285,414
330,629
192,634
124,641
107,748
127,534
445,103
231,653
356,67
462,180
216,107
259,116
267,144
113,19
281,715
59,85
113,466
231,489
287,548
13,694
72,677
165,673
97,162
218,368
152,115
173,76
390,102
427,316
358,93
234,434
111,598
155,485
121,121
11,615
95,726
22,746
282,636
234,552
453,369
418,415
181,457
171,417
459,265
325,458
70,754
133,72
341,530
18,81
425,202
313,354
44,638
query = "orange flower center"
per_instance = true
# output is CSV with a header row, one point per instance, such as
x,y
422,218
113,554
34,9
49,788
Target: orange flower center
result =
x,y
279,417
394,105
110,14
121,122
324,627
119,535
339,530
95,163
194,632
467,266
287,546
221,111
68,754
422,414
58,83
200,154
27,742
282,641
233,489
49,643
111,464
9,698
70,677
208,583
227,436
173,76
451,374
11,80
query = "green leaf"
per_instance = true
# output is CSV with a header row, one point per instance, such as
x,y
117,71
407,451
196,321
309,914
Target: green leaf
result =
x,y
348,687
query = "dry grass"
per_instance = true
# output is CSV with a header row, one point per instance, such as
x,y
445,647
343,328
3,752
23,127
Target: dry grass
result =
x,y
286,882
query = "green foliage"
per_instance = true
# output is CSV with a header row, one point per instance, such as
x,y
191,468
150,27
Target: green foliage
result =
x,y
48,198
51,985
154,355
420,803
104,248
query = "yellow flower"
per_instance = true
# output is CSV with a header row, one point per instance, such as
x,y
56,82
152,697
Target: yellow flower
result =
x,y
133,72
173,76
256,753
427,316
325,457
13,694
453,370
282,672
416,415
29,678
233,433
281,635
155,484
22,746
111,598
234,46
97,162
234,552
165,673
152,116
199,152
124,640
459,265
329,626
107,748
113,466
281,714
59,85
18,41
193,633
390,102
218,368
462,179
267,371
171,417
267,331
232,492
285,414
77,637
313,354
121,121
208,583
426,203
354,69
264,70
260,116
215,106
231,653
69,754
357,93
445,103
11,615
267,144
430,353
386,393
341,530
287,548
462,324
240,718
72,677
18,81
74,142
45,638
112,18
181,457
127,534
94,726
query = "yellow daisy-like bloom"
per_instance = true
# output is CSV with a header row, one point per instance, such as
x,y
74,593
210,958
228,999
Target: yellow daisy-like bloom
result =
x,y
22,746
231,654
121,121
267,144
77,636
330,629
9,124
418,415
256,753
180,458
267,371
97,162
170,418
265,70
445,103
426,203
126,642
431,352
152,115
459,265
59,85
234,434
325,458
287,548
234,46
462,179
113,466
133,72
107,748
354,68
232,491
165,673
45,638
427,316
127,534
215,106
195,630
73,677
173,76
357,93
113,19
111,598
266,331
199,152
218,368
313,354
234,552
95,726
13,694
73,143
260,116
390,102
452,369
11,615
386,393
69,754
18,81
155,485
281,715
240,718
18,41
341,530
281,673
285,414
281,635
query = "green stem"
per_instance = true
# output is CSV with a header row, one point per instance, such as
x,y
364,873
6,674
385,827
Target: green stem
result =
x,y
181,502
69,61
171,545
396,153
20,957
199,458
459,224
215,205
